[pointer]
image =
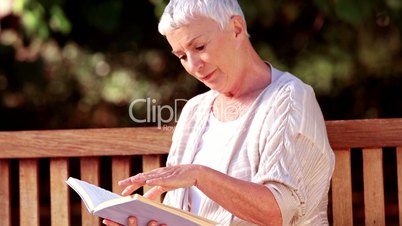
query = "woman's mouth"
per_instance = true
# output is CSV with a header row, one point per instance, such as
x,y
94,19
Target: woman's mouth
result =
x,y
208,76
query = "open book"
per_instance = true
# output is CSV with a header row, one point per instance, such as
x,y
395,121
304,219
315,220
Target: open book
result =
x,y
106,204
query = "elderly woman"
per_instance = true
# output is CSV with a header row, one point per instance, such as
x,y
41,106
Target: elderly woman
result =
x,y
251,151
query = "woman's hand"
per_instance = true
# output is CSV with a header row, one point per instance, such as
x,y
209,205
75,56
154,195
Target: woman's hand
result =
x,y
132,221
163,179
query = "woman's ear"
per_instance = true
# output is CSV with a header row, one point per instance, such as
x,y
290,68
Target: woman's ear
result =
x,y
237,25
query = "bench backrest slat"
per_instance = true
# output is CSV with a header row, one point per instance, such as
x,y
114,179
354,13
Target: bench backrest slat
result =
x,y
150,162
131,150
399,173
84,142
5,201
90,170
342,209
121,166
369,137
364,133
373,186
29,192
59,192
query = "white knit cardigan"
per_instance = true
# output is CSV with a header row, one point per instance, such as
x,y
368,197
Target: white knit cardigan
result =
x,y
282,144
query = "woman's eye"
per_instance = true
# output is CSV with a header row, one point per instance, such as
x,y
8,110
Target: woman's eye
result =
x,y
182,57
199,48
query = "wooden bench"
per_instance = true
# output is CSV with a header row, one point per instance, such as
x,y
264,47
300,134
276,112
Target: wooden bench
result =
x,y
34,165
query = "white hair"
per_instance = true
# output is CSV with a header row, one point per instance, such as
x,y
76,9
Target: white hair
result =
x,y
180,12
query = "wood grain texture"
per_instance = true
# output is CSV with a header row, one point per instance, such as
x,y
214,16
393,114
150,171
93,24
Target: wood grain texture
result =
x,y
59,192
374,205
342,208
84,142
5,195
399,174
343,134
90,170
152,143
29,192
120,170
367,133
150,162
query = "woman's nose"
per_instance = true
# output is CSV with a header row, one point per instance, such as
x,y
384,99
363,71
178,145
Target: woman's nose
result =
x,y
195,64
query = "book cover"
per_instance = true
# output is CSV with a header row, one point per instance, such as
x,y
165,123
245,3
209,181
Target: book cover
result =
x,y
106,204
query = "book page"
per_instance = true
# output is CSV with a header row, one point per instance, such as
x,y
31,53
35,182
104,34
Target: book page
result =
x,y
91,195
145,210
106,204
123,208
177,211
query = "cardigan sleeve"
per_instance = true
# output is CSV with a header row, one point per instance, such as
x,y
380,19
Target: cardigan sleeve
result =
x,y
296,160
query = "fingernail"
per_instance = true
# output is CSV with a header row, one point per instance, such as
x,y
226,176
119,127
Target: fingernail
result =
x,y
124,191
131,220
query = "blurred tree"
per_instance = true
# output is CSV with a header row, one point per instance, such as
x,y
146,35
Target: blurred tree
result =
x,y
76,64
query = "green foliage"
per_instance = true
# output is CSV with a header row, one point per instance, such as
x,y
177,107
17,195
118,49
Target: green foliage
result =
x,y
354,12
41,18
58,21
80,64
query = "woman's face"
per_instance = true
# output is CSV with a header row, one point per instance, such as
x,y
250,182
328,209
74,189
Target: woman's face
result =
x,y
208,53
